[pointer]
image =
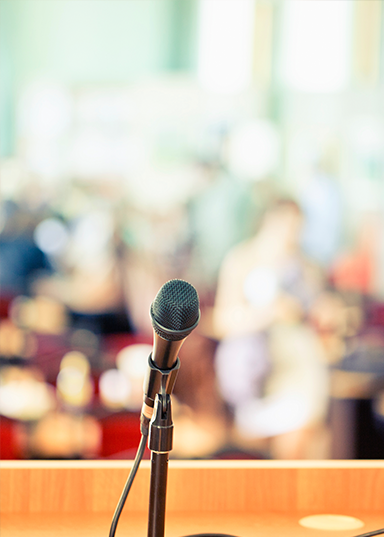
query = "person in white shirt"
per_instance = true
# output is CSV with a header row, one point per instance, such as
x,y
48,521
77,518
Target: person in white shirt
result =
x,y
269,363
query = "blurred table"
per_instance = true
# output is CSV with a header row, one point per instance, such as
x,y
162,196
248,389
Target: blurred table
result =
x,y
243,498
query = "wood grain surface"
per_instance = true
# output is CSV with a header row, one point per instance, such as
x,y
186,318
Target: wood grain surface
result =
x,y
237,486
243,498
177,525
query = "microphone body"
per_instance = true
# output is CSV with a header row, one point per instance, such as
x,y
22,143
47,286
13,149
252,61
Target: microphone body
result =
x,y
174,313
165,352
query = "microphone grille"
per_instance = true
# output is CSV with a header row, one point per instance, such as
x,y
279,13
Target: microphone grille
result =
x,y
175,310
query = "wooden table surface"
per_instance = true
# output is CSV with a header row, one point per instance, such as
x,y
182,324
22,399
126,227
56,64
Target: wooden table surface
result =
x,y
240,498
177,525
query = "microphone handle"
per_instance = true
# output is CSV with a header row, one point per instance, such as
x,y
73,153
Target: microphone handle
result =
x,y
165,351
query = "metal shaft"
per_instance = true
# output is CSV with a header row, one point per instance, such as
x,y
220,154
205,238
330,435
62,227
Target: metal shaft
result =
x,y
158,493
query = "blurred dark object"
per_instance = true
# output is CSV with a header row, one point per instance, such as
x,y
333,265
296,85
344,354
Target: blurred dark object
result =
x,y
356,419
365,350
102,323
230,452
367,355
21,261
378,413
357,433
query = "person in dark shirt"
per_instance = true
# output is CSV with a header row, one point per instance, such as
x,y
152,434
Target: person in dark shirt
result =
x,y
21,260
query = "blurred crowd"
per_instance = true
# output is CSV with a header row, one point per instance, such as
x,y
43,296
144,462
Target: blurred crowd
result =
x,y
139,144
282,312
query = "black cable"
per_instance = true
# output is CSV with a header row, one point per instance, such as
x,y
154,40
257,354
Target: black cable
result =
x,y
128,484
371,533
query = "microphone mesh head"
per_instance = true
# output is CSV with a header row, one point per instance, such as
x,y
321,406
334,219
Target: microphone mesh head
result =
x,y
175,310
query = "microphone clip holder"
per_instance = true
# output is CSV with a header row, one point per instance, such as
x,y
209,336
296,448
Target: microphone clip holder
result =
x,y
156,381
161,426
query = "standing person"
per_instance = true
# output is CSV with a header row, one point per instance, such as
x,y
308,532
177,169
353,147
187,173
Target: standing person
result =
x,y
269,362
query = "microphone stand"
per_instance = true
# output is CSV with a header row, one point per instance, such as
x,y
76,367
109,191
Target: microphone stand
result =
x,y
158,388
159,384
175,307
160,443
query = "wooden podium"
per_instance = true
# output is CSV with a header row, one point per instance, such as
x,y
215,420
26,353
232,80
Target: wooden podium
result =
x,y
241,498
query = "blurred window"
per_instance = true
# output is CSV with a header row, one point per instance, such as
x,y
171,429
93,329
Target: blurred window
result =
x,y
316,43
225,44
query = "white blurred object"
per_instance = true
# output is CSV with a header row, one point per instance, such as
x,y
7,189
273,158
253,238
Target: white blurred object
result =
x,y
277,414
13,178
74,385
225,45
315,54
24,397
91,240
51,236
160,189
97,152
114,389
296,391
104,105
45,114
44,157
261,286
366,133
71,382
132,361
45,109
253,150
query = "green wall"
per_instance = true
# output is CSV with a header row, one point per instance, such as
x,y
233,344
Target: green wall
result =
x,y
89,41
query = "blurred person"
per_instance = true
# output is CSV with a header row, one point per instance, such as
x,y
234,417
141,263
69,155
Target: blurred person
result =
x,y
21,260
157,251
198,411
90,284
356,269
270,365
321,202
220,215
338,318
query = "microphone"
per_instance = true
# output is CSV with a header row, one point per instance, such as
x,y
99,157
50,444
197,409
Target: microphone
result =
x,y
175,312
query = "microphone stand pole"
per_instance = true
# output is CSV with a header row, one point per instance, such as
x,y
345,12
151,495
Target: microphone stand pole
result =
x,y
160,444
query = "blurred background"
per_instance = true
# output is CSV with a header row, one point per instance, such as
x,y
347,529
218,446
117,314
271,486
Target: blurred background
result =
x,y
144,140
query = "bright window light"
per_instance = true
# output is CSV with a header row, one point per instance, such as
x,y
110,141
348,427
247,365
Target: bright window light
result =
x,y
253,149
225,44
315,45
45,110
